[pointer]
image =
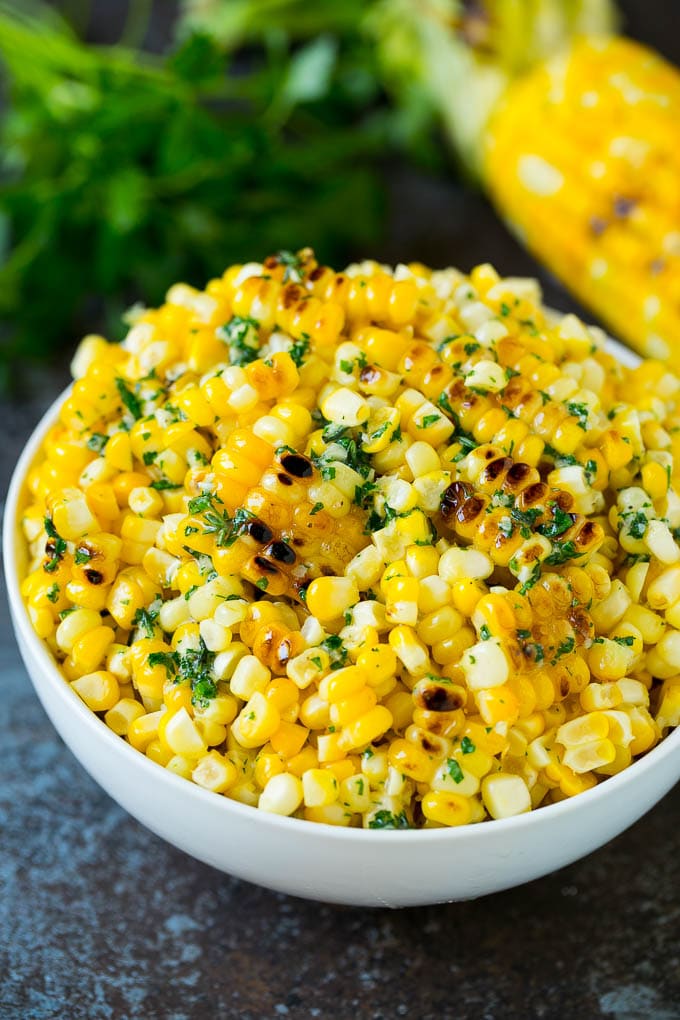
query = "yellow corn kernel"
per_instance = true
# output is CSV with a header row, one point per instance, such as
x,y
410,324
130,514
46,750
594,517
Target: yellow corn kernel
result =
x,y
99,691
586,757
366,728
258,720
214,772
250,675
377,663
342,683
342,713
122,714
330,597
320,787
90,649
266,766
497,704
446,808
282,795
74,626
289,739
143,730
411,760
505,795
182,735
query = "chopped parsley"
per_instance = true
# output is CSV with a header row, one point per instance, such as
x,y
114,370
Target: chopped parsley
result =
x,y
315,509
195,666
579,411
241,334
628,640
637,525
484,632
299,350
388,820
559,523
506,527
131,402
526,518
561,553
565,648
97,442
466,746
454,770
53,592
293,266
337,653
55,547
534,576
168,659
164,483
429,419
83,555
145,619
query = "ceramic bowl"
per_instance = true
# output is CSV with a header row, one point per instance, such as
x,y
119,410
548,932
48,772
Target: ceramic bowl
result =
x,y
354,866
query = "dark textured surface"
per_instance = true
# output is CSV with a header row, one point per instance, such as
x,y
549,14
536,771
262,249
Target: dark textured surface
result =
x,y
100,919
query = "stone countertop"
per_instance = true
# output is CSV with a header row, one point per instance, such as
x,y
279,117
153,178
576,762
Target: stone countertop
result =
x,y
101,919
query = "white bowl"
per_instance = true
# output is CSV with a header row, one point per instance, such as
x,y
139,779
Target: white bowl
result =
x,y
355,866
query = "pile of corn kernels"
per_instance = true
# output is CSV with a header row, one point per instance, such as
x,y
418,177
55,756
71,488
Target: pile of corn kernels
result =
x,y
387,548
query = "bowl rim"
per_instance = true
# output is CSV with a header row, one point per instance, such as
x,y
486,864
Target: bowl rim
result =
x,y
31,644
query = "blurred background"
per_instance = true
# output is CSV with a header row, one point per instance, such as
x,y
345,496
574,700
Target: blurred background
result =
x,y
144,142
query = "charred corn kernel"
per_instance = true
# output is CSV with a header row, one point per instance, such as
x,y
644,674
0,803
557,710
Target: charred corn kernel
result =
x,y
282,795
505,795
99,690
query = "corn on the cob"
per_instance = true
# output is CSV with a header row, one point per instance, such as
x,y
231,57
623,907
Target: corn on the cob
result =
x,y
390,548
581,159
573,132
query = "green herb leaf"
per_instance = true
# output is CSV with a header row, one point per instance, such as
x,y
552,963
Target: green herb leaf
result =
x,y
131,402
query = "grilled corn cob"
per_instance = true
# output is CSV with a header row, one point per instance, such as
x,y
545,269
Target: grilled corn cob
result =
x,y
581,159
382,547
575,140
